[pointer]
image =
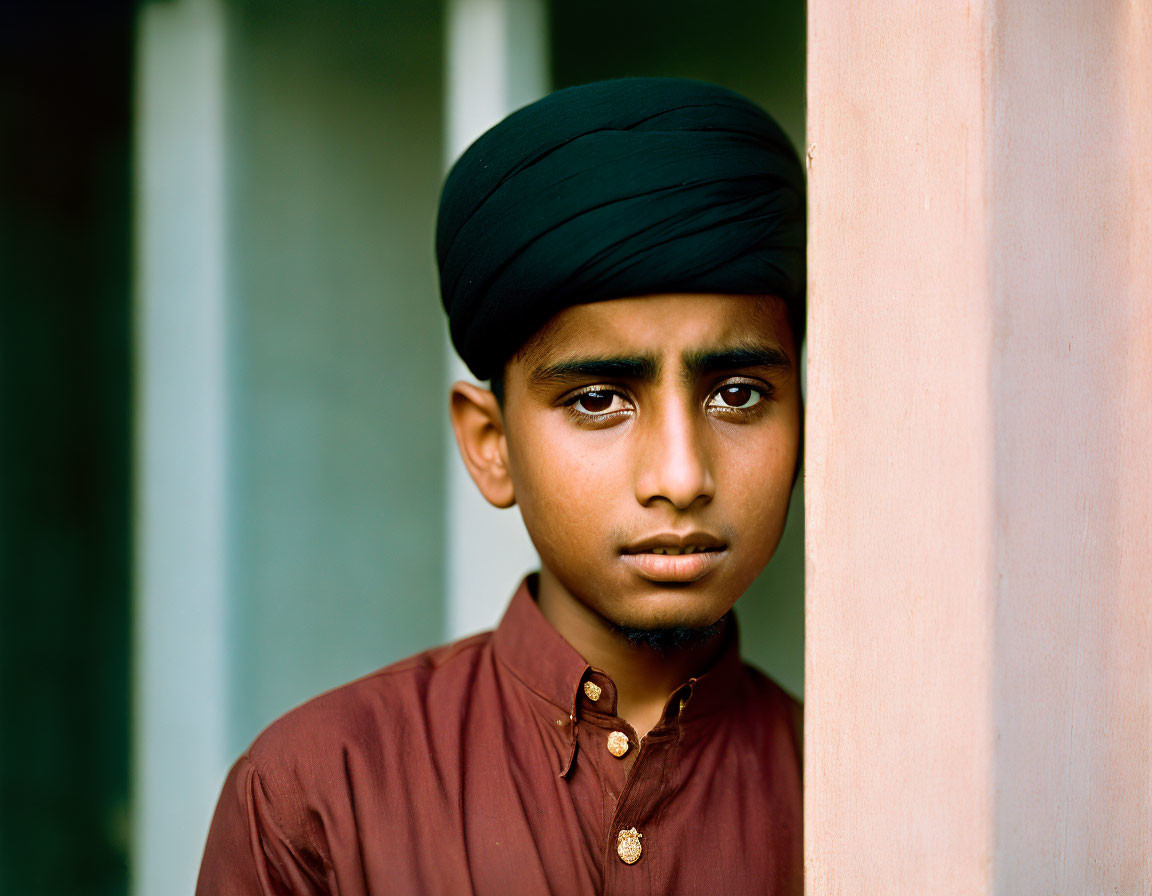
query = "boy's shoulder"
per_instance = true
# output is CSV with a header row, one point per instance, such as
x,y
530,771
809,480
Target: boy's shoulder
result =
x,y
306,773
778,703
370,711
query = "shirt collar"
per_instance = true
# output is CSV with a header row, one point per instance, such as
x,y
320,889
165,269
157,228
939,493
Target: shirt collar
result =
x,y
536,653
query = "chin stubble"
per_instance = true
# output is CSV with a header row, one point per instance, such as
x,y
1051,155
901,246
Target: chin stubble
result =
x,y
675,637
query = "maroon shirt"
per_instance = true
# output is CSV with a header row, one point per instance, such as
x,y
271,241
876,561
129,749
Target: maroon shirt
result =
x,y
489,766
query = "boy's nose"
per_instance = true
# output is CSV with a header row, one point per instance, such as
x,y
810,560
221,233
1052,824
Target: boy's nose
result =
x,y
672,462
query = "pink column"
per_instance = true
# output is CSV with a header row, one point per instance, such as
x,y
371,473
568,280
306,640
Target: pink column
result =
x,y
979,469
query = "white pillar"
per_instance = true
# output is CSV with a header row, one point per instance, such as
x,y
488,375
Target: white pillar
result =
x,y
180,703
496,61
979,467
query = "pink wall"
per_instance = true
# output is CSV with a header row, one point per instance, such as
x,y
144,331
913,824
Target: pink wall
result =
x,y
979,469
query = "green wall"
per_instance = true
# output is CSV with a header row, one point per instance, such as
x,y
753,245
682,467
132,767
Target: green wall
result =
x,y
339,393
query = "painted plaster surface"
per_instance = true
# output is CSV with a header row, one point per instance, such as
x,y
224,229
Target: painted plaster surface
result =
x,y
1071,127
979,468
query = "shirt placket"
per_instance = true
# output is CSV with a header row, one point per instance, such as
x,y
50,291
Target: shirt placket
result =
x,y
632,848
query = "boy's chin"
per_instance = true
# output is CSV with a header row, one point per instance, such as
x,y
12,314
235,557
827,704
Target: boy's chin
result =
x,y
672,637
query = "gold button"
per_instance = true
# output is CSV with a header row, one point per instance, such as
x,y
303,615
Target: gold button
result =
x,y
592,691
618,744
628,846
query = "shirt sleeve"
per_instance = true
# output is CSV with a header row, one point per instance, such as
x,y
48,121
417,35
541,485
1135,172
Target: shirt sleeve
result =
x,y
256,848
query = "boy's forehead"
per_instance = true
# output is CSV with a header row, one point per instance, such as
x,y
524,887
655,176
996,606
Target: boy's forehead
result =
x,y
658,325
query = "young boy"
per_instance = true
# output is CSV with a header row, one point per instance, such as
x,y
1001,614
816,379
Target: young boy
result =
x,y
625,261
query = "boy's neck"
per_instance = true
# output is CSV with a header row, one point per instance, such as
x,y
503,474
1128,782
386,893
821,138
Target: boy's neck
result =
x,y
644,676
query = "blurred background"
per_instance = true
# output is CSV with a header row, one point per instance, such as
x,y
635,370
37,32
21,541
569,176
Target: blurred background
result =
x,y
228,479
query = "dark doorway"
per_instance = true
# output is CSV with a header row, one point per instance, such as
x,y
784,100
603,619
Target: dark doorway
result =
x,y
65,141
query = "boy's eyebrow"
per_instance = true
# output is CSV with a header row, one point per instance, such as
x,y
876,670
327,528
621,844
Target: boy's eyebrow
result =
x,y
638,367
646,368
705,361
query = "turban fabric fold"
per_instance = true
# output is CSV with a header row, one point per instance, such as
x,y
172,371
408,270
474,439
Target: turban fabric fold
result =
x,y
614,189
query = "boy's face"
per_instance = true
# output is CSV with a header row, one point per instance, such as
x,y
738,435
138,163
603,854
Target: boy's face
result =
x,y
651,444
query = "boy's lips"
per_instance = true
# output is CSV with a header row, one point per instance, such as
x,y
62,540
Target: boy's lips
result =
x,y
672,557
674,567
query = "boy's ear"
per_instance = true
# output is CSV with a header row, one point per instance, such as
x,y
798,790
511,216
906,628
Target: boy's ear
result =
x,y
479,426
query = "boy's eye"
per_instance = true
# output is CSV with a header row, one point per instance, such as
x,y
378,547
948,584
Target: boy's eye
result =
x,y
738,396
599,401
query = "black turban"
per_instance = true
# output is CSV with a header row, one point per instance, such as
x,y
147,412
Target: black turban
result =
x,y
614,189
